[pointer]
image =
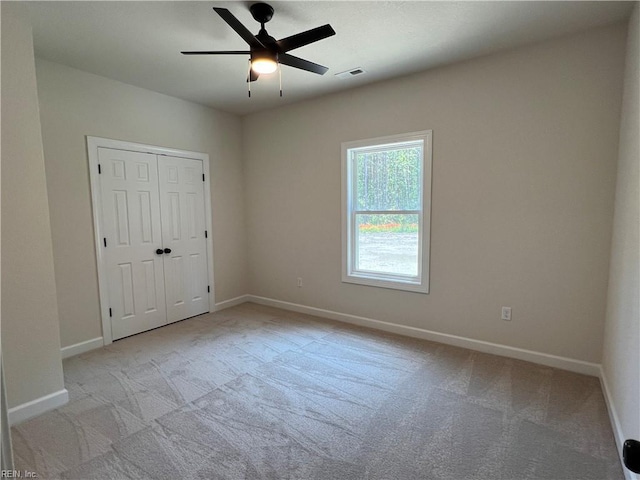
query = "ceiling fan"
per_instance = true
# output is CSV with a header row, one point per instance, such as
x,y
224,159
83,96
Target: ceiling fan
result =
x,y
265,51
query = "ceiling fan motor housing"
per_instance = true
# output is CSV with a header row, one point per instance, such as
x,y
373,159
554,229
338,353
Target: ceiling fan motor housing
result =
x,y
267,40
266,54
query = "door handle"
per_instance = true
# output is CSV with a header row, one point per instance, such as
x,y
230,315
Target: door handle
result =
x,y
167,250
159,251
631,455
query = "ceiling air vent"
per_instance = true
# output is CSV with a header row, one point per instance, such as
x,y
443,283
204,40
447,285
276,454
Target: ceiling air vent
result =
x,y
354,72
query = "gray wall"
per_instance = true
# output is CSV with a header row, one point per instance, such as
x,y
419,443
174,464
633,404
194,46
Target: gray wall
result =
x,y
524,160
74,104
621,359
30,330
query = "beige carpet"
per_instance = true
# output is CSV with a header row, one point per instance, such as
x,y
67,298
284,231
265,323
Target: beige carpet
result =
x,y
258,393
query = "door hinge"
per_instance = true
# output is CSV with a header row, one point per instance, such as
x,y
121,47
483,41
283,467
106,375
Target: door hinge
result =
x,y
205,234
208,289
110,313
105,241
99,169
203,177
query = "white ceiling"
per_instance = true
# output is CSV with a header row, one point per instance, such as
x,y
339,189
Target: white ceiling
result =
x,y
139,43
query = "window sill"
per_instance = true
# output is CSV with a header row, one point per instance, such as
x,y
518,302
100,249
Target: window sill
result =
x,y
405,285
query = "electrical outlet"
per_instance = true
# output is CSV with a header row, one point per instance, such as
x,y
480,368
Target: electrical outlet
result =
x,y
506,314
299,282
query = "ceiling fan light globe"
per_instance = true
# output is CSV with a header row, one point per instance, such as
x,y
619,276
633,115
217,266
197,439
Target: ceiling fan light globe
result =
x,y
264,66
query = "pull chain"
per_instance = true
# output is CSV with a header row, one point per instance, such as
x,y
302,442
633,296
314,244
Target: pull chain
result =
x,y
280,76
249,79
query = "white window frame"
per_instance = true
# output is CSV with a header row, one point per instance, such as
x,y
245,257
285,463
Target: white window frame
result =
x,y
419,283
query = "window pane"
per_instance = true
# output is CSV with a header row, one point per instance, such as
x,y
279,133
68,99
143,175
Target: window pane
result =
x,y
387,244
387,179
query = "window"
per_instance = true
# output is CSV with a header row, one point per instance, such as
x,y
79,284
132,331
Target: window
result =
x,y
386,195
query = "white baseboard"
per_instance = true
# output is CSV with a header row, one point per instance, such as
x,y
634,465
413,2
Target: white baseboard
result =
x,y
615,423
38,406
563,363
82,347
232,302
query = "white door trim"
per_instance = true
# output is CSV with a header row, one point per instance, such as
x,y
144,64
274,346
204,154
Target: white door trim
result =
x,y
93,143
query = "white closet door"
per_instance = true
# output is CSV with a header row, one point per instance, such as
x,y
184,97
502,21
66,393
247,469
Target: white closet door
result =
x,y
132,229
183,232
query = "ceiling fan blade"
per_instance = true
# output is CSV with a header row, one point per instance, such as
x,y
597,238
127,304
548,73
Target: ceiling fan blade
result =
x,y
224,52
240,29
253,76
295,62
305,38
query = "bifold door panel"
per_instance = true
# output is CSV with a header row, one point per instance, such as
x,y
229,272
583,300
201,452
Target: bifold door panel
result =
x,y
154,239
183,227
